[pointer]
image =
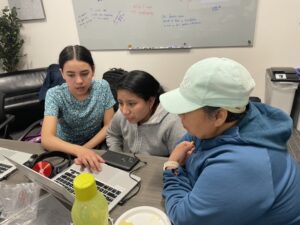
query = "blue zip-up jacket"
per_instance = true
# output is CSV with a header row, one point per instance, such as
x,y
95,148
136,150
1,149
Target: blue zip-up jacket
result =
x,y
243,177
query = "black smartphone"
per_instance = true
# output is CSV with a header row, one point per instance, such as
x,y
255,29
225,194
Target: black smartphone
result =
x,y
120,160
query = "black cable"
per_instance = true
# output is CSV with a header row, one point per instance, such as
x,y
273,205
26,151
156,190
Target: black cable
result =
x,y
138,187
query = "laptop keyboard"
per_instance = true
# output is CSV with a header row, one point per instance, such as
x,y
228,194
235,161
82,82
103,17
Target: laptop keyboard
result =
x,y
66,180
4,167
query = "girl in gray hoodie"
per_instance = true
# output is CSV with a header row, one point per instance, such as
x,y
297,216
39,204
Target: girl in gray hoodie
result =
x,y
141,125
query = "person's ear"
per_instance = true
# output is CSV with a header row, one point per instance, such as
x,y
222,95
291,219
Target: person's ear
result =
x,y
62,74
151,101
220,117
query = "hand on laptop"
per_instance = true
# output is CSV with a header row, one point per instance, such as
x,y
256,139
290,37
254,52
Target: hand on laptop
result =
x,y
89,159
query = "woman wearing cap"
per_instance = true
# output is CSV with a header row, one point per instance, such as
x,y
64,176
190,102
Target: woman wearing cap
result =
x,y
233,167
142,125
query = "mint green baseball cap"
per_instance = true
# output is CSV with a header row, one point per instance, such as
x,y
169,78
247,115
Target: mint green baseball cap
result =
x,y
218,82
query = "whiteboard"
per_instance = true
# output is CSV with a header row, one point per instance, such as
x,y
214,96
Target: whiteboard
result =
x,y
164,24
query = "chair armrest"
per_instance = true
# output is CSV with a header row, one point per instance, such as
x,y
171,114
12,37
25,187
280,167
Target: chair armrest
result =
x,y
5,119
9,119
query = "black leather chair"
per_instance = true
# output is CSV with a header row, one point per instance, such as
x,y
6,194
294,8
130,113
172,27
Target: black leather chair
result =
x,y
21,90
5,119
23,95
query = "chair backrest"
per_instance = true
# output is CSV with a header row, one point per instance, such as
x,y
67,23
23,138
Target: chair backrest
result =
x,y
53,78
113,76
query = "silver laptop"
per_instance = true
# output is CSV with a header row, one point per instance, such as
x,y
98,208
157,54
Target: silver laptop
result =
x,y
114,183
6,167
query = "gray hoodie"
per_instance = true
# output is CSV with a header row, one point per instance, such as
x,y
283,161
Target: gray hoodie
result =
x,y
158,136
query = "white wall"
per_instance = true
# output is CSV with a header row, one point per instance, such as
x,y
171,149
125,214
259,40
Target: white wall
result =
x,y
276,43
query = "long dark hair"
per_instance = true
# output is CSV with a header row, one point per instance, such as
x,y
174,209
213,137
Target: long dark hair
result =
x,y
141,84
77,52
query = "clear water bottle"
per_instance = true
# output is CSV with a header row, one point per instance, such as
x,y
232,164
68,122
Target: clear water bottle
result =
x,y
90,206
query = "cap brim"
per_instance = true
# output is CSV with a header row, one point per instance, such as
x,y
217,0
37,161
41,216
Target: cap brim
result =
x,y
174,102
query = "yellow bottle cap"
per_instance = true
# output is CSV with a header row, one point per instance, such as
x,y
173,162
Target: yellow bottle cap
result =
x,y
84,186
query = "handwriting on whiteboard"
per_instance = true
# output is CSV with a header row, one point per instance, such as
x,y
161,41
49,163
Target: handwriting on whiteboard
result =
x,y
172,20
